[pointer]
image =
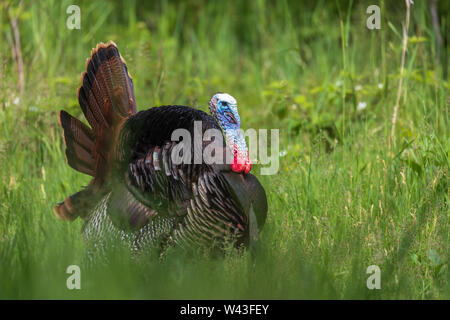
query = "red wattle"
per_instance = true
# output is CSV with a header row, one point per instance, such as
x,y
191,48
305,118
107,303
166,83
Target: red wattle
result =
x,y
237,166
248,166
240,165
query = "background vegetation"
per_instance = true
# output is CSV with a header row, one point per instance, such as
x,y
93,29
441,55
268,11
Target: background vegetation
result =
x,y
347,195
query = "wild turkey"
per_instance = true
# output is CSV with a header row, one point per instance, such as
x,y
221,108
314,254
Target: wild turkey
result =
x,y
138,194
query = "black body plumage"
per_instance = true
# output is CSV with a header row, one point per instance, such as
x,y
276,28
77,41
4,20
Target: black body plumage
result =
x,y
138,193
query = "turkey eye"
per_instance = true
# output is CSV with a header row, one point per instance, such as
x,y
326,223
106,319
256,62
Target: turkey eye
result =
x,y
224,104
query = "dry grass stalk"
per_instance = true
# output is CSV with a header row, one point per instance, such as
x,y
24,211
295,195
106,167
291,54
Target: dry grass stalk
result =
x,y
402,68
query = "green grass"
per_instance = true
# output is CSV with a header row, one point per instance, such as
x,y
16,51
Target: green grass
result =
x,y
341,201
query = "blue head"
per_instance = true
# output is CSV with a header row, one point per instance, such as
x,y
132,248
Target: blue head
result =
x,y
223,108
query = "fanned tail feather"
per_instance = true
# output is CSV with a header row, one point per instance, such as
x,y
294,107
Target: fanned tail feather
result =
x,y
77,204
107,100
80,143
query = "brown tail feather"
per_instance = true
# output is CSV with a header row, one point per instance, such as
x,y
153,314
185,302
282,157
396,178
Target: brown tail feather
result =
x,y
78,204
107,100
79,142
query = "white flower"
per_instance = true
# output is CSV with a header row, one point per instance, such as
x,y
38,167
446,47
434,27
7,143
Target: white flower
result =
x,y
361,106
283,153
380,85
358,87
16,101
339,83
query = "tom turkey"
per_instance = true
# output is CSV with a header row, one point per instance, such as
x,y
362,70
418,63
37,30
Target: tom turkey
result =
x,y
138,193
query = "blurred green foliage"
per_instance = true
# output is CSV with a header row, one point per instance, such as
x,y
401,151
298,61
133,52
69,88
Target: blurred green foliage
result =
x,y
342,200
